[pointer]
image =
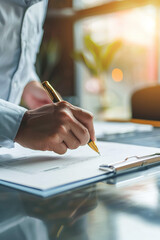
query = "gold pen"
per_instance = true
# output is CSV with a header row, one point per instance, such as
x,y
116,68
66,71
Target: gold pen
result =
x,y
54,96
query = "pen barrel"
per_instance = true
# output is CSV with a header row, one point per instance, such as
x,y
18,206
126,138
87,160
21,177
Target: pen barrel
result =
x,y
54,96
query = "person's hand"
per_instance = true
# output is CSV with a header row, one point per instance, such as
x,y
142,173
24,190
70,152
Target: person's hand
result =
x,y
56,127
34,95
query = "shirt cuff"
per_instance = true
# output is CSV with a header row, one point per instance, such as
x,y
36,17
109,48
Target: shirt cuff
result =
x,y
10,119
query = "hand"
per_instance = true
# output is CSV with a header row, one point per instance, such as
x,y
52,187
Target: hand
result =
x,y
34,95
56,127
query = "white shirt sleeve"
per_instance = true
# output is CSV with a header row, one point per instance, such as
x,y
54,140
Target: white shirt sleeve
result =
x,y
10,119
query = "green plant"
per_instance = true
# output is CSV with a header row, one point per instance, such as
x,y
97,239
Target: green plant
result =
x,y
97,58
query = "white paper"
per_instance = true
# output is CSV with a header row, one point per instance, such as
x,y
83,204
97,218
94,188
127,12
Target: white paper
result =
x,y
45,170
108,128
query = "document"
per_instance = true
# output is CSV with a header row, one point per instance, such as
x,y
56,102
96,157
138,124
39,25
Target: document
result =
x,y
46,173
108,128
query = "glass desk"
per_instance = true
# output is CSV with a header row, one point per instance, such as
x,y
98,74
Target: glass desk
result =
x,y
123,208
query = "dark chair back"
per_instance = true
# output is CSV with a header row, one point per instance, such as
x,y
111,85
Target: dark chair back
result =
x,y
145,103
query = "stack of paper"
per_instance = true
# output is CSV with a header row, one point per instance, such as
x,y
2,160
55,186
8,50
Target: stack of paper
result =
x,y
46,173
108,128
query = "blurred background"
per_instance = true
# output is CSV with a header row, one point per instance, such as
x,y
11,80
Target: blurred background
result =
x,y
97,53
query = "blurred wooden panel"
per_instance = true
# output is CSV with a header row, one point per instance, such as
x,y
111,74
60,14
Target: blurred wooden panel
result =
x,y
61,30
59,4
63,75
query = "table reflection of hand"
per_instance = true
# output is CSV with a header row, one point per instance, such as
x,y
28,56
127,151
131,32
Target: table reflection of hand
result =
x,y
61,211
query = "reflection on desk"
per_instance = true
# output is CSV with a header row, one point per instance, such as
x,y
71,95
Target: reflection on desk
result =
x,y
95,212
37,218
127,209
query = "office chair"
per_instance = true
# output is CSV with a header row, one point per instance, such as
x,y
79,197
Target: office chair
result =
x,y
145,103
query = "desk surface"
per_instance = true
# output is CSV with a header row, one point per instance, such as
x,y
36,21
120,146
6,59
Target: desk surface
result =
x,y
124,208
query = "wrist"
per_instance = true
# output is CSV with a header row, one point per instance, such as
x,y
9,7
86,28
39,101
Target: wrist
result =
x,y
22,126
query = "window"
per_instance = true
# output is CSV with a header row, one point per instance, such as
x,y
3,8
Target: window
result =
x,y
134,65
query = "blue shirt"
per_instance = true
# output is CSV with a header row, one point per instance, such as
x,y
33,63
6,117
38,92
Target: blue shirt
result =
x,y
21,32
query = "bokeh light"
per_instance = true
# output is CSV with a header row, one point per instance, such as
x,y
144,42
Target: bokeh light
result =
x,y
117,75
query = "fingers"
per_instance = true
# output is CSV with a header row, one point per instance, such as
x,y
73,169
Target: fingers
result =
x,y
86,118
70,132
54,143
69,124
60,148
80,131
68,141
71,141
76,125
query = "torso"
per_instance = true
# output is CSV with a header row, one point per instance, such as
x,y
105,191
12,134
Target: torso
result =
x,y
21,32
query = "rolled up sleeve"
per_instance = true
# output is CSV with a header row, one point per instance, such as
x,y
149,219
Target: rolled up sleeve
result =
x,y
10,118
